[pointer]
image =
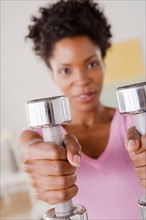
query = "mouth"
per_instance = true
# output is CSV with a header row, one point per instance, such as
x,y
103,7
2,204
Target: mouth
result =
x,y
86,97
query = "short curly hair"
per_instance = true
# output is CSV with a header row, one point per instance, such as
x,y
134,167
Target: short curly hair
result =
x,y
69,18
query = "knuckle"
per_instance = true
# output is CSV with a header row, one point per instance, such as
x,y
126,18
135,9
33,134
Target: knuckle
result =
x,y
51,148
63,182
55,151
27,166
75,178
61,168
33,183
51,145
141,172
36,181
143,183
76,188
63,195
139,158
58,168
27,153
67,181
138,172
39,195
66,194
141,175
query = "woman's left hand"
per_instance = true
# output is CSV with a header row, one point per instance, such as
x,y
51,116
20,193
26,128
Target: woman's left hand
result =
x,y
136,146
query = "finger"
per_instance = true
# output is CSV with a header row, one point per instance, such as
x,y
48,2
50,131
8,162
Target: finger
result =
x,y
52,182
57,196
73,149
143,143
45,150
139,159
49,167
143,183
141,172
142,147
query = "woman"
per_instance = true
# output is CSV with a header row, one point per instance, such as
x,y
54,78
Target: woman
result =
x,y
72,37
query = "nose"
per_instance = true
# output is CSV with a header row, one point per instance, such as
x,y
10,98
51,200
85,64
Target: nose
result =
x,y
81,78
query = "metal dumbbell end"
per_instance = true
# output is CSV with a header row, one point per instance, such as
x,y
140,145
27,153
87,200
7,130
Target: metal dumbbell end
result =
x,y
49,114
142,204
132,100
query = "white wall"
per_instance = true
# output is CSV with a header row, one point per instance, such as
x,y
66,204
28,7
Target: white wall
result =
x,y
24,76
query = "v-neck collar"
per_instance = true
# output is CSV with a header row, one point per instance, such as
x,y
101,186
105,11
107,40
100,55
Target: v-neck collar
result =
x,y
97,162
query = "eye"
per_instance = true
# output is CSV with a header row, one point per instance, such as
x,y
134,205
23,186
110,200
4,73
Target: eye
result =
x,y
65,71
92,64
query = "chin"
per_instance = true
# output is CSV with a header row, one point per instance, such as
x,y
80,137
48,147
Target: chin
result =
x,y
87,108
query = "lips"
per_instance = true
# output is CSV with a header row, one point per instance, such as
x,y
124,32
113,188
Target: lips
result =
x,y
85,97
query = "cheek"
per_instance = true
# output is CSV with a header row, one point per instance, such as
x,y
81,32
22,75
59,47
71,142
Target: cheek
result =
x,y
98,77
62,84
64,81
59,80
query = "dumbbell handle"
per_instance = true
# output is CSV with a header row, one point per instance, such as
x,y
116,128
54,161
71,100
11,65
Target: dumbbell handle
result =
x,y
53,134
140,123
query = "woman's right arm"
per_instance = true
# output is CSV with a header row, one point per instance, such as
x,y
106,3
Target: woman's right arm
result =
x,y
50,167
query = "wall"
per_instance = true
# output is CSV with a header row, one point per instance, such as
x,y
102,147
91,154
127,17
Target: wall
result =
x,y
24,76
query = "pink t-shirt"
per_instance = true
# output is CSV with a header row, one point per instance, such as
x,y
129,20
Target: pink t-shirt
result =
x,y
108,186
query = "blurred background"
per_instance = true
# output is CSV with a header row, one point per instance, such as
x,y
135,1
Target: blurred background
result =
x,y
25,77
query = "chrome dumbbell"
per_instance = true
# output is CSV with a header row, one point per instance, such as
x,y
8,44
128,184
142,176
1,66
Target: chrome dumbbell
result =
x,y
132,100
49,114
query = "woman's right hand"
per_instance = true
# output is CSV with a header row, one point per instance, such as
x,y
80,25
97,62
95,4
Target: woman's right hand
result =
x,y
51,169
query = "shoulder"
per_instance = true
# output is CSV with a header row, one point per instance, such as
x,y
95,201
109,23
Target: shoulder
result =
x,y
109,113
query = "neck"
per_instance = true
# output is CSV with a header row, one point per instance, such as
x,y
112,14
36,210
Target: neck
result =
x,y
89,118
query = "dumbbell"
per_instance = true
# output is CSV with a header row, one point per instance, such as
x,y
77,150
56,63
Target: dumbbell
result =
x,y
132,100
49,114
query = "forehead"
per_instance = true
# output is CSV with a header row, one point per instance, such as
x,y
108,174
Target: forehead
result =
x,y
77,47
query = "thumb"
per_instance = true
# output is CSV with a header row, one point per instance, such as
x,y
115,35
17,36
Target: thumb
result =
x,y
132,140
132,145
73,149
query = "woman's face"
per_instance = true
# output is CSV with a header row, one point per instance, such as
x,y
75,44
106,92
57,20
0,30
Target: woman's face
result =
x,y
77,67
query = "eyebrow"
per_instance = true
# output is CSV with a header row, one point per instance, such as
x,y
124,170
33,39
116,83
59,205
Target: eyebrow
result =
x,y
64,64
85,61
89,58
